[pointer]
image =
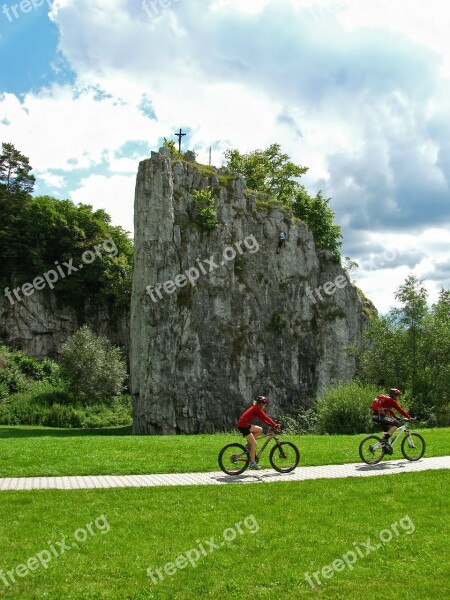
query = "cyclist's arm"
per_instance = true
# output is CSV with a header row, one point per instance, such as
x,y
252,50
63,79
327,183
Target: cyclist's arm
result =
x,y
266,419
400,409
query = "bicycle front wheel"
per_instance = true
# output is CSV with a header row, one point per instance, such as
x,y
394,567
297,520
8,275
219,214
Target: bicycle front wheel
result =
x,y
233,459
371,450
413,446
284,457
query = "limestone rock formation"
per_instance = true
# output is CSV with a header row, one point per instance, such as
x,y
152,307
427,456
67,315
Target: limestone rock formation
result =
x,y
39,324
247,325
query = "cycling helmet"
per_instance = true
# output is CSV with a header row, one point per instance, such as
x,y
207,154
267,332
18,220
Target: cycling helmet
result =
x,y
394,392
262,400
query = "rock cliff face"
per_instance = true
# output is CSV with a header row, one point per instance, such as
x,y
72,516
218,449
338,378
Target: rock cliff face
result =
x,y
240,320
39,325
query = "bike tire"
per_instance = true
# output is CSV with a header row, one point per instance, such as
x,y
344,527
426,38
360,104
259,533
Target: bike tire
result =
x,y
370,458
293,460
418,439
233,454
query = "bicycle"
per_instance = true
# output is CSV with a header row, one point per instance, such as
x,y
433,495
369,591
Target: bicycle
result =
x,y
234,458
372,450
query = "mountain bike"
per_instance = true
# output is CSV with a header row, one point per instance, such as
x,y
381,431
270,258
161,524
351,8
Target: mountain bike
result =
x,y
234,458
372,449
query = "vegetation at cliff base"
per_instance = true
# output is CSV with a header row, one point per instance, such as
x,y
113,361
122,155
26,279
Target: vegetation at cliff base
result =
x,y
93,368
409,348
83,390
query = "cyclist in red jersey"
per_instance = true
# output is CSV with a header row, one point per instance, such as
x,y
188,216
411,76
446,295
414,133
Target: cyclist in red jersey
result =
x,y
249,431
384,416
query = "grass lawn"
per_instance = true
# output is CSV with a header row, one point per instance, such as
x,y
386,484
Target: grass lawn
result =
x,y
296,528
27,451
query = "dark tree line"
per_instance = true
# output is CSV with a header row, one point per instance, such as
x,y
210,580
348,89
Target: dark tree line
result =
x,y
36,232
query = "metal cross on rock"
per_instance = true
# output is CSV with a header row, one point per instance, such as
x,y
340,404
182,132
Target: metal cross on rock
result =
x,y
179,136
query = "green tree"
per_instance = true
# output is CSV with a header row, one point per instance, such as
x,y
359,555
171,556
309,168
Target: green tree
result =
x,y
15,177
94,370
267,171
409,348
37,232
271,172
435,346
319,218
382,360
411,316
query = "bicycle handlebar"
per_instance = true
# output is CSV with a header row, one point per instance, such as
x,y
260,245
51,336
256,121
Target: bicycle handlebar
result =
x,y
275,429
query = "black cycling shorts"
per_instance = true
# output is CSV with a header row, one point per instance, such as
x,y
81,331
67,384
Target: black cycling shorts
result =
x,y
245,431
385,423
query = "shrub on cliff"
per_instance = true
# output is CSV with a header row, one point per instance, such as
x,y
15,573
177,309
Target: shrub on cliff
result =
x,y
206,212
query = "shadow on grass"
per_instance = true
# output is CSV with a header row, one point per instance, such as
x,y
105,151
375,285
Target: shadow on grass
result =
x,y
26,432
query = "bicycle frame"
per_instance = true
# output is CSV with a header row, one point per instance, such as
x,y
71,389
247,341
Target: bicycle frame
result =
x,y
271,436
396,435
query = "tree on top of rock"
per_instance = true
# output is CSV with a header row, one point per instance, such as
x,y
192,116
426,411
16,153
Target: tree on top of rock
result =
x,y
271,172
267,171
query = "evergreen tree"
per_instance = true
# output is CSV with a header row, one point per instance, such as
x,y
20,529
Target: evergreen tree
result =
x,y
15,177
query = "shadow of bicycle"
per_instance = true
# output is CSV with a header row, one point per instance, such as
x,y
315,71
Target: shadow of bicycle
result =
x,y
385,466
258,477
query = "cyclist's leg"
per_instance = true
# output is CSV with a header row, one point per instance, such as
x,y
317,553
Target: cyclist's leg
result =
x,y
252,445
391,427
394,424
255,431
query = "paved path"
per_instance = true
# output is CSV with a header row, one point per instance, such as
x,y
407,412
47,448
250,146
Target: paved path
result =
x,y
80,482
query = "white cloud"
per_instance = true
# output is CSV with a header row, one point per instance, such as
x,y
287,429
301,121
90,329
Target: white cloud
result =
x,y
114,194
380,275
424,24
64,128
56,181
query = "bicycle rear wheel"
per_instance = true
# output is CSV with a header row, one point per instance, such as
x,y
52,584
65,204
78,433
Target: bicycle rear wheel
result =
x,y
284,457
233,459
371,450
413,446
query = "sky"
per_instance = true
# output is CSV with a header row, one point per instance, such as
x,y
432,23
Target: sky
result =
x,y
356,91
